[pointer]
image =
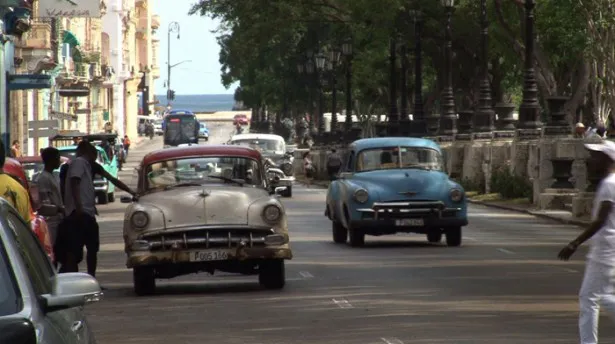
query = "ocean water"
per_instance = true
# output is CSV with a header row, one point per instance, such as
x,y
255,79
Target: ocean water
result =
x,y
200,102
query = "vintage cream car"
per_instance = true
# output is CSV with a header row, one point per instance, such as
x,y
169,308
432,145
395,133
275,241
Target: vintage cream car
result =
x,y
205,208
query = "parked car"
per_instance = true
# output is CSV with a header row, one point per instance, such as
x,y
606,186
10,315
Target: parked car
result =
x,y
105,191
203,131
37,304
38,225
205,208
158,127
278,160
33,166
394,184
241,119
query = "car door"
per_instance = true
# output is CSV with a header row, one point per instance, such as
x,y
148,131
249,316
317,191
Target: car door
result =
x,y
64,326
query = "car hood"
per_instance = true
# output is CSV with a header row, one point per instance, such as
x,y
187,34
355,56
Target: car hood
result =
x,y
204,205
406,184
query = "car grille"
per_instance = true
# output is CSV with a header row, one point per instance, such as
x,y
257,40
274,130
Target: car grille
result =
x,y
409,209
206,238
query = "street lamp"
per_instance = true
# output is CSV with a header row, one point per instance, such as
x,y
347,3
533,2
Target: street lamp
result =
x,y
320,66
173,27
334,57
529,111
484,118
309,68
448,117
419,123
347,51
320,61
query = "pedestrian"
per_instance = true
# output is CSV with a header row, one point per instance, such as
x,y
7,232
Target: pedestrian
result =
x,y
80,228
308,168
16,149
334,163
126,144
597,288
12,191
49,189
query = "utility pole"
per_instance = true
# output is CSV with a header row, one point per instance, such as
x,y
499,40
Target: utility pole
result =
x,y
173,27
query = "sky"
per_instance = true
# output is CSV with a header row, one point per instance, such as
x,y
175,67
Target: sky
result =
x,y
197,43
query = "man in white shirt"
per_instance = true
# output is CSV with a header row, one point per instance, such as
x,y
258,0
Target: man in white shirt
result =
x,y
597,288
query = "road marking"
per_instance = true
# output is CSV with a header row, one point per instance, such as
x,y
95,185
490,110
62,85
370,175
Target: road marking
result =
x,y
342,303
306,274
391,341
569,270
503,250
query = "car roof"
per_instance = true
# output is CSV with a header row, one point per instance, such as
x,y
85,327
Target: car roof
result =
x,y
378,142
257,136
200,150
183,112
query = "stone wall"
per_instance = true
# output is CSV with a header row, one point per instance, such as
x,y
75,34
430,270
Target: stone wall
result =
x,y
554,167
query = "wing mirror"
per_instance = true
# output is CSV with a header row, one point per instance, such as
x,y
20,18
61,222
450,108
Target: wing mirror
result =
x,y
280,190
128,199
72,290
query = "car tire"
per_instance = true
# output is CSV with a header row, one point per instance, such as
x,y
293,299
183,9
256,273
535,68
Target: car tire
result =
x,y
289,191
340,234
434,236
111,197
357,238
102,198
144,280
272,274
453,236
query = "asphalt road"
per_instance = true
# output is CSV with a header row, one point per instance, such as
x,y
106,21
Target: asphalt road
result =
x,y
502,286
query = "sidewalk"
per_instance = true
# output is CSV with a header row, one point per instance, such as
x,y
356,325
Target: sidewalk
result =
x,y
519,206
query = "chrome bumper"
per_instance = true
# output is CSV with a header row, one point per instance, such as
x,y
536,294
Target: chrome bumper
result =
x,y
101,186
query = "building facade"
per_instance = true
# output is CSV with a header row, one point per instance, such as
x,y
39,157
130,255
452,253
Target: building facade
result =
x,y
80,74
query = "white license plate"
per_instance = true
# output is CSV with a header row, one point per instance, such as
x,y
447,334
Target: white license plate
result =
x,y
206,256
410,222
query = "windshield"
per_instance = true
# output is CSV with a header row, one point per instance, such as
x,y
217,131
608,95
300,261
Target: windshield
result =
x,y
180,129
70,154
203,170
10,299
265,146
399,157
32,170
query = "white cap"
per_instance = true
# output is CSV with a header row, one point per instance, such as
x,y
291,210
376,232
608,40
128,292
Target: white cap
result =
x,y
580,125
606,147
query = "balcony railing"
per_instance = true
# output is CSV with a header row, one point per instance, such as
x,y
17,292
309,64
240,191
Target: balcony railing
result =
x,y
39,36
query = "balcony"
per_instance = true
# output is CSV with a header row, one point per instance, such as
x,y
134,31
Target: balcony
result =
x,y
155,72
155,21
38,38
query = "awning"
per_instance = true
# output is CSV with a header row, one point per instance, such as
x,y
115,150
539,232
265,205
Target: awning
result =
x,y
76,54
70,38
17,82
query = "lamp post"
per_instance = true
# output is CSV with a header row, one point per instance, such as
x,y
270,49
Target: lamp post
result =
x,y
393,110
484,118
309,69
173,27
334,57
320,66
448,116
419,122
529,124
347,51
403,108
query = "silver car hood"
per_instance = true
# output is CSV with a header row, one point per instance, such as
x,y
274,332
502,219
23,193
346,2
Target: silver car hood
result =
x,y
204,205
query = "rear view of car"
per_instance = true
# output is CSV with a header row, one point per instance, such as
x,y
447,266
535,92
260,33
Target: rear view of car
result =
x,y
203,131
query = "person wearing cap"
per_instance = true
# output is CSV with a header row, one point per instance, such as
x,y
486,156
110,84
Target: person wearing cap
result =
x,y
597,288
579,130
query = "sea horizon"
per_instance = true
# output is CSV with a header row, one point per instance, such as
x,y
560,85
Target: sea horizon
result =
x,y
200,102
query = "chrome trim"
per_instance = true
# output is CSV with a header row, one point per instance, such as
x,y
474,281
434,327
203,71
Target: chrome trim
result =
x,y
417,210
173,230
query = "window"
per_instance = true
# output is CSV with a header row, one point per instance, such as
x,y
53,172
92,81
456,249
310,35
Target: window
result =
x,y
39,269
349,165
10,298
399,158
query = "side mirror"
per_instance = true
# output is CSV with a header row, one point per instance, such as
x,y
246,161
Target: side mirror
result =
x,y
18,330
72,290
280,190
345,175
127,199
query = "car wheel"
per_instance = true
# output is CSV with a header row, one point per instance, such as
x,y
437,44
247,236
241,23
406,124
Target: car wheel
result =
x,y
102,198
340,234
272,274
144,280
453,236
434,237
289,191
357,238
111,197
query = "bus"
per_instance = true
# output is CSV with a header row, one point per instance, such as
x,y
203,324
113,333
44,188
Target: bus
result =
x,y
180,127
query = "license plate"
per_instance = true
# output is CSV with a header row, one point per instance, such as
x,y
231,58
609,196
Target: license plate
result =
x,y
410,222
206,256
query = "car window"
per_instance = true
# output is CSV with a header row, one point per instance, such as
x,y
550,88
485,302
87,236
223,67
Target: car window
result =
x,y
39,269
398,158
350,162
10,298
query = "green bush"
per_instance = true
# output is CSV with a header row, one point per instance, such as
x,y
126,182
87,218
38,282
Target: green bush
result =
x,y
477,185
509,185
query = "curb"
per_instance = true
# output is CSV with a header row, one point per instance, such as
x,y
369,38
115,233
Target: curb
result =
x,y
574,222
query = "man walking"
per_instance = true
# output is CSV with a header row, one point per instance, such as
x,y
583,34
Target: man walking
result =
x,y
597,288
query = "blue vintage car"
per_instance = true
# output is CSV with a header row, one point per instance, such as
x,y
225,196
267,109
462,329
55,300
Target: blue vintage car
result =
x,y
395,184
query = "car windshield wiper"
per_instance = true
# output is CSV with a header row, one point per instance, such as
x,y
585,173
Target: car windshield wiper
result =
x,y
237,181
181,184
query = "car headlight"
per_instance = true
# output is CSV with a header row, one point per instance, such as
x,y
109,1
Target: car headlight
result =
x,y
272,213
361,195
456,195
139,219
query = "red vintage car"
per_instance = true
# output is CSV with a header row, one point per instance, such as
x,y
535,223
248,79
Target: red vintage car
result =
x,y
241,119
14,168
